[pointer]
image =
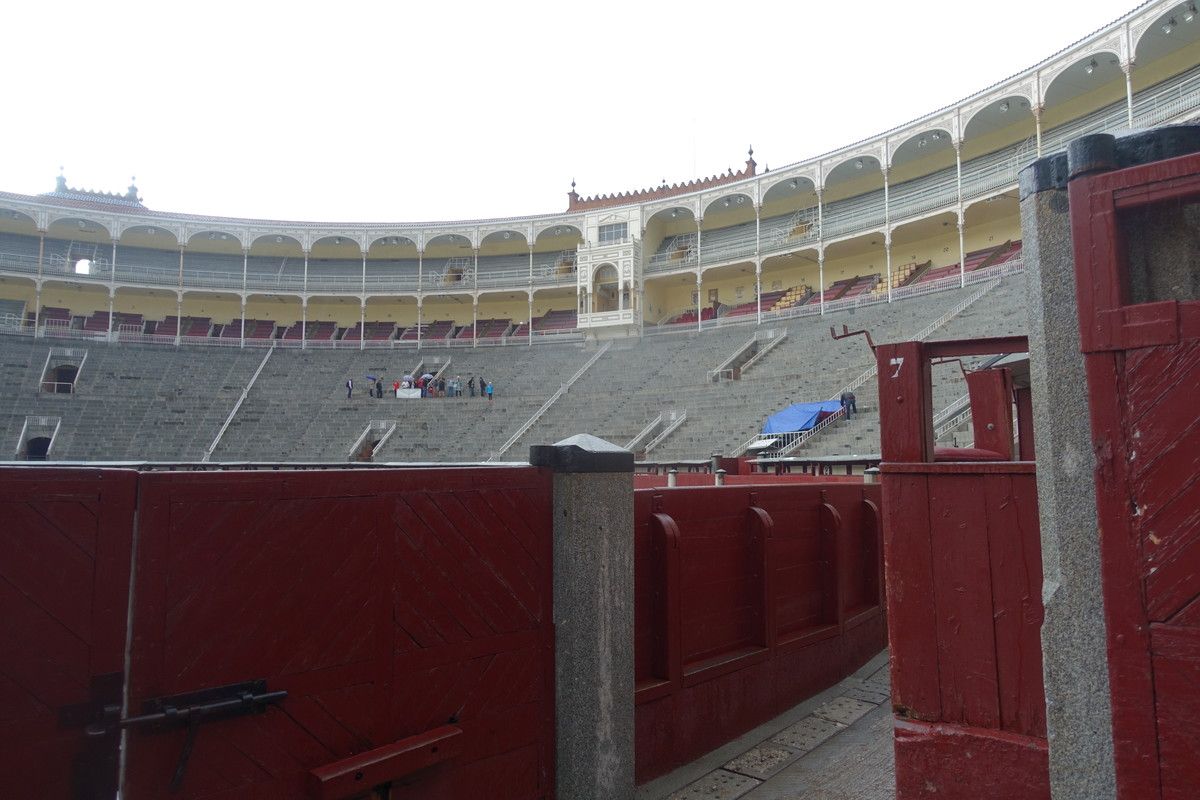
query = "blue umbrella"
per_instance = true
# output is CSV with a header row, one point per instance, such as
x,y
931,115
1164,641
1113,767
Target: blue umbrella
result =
x,y
372,378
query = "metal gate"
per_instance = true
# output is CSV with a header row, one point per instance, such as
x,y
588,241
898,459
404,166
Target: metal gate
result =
x,y
1140,331
324,634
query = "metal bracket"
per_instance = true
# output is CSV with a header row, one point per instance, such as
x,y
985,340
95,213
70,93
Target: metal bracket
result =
x,y
191,709
847,333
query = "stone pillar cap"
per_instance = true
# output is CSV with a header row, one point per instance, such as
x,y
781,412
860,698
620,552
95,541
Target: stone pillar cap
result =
x,y
582,453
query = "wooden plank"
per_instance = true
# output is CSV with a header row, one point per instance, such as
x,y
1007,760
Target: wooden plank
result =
x,y
1176,656
912,620
1016,570
962,592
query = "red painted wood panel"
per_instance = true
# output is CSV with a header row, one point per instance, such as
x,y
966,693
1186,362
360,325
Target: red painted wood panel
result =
x,y
387,603
64,583
757,583
1143,363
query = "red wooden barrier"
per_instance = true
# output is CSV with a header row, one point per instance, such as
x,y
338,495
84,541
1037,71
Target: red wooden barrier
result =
x,y
65,537
406,614
1140,330
963,564
748,600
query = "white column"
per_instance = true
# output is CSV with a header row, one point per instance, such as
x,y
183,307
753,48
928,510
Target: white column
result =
x,y
1037,128
758,262
242,338
821,276
37,307
180,266
887,233
962,251
178,317
42,250
420,291
758,289
245,266
962,254
887,248
529,329
699,274
1128,70
821,247
475,314
304,305
362,322
112,287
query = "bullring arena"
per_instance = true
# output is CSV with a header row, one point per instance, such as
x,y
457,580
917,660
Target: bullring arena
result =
x,y
661,555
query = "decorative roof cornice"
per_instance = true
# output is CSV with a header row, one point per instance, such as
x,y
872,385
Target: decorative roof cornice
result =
x,y
577,203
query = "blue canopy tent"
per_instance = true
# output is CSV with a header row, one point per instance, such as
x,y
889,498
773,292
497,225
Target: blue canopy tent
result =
x,y
800,417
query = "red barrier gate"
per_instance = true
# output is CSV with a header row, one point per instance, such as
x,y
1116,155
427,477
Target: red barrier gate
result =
x,y
1140,330
748,600
406,614
64,584
964,577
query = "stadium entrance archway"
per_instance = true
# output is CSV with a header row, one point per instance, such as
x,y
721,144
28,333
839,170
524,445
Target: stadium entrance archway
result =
x,y
37,448
61,379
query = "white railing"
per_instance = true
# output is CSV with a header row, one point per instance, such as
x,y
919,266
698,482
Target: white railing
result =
x,y
529,423
952,423
645,433
773,339
676,421
233,412
873,370
717,372
951,410
381,427
794,440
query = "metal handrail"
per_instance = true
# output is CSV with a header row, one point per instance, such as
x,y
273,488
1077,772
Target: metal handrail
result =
x,y
646,431
529,423
665,432
233,412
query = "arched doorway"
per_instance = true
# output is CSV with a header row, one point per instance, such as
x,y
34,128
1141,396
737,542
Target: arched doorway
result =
x,y
37,448
605,289
61,379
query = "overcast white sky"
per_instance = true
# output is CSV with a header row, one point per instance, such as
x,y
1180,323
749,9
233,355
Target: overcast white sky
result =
x,y
408,111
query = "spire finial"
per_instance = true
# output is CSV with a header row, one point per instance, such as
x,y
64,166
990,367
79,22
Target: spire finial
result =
x,y
572,184
751,151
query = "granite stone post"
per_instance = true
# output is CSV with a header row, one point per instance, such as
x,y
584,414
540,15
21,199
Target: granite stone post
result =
x,y
1074,657
593,616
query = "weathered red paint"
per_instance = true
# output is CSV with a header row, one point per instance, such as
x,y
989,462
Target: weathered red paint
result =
x,y
962,557
937,760
64,583
748,600
1143,366
387,603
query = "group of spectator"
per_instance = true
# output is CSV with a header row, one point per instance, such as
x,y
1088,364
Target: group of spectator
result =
x,y
429,387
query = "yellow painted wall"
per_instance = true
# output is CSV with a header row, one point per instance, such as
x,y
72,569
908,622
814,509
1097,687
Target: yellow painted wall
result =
x,y
219,308
17,290
284,313
81,301
344,314
156,307
403,314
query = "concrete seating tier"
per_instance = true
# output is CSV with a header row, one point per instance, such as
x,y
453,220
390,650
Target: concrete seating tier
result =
x,y
131,402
